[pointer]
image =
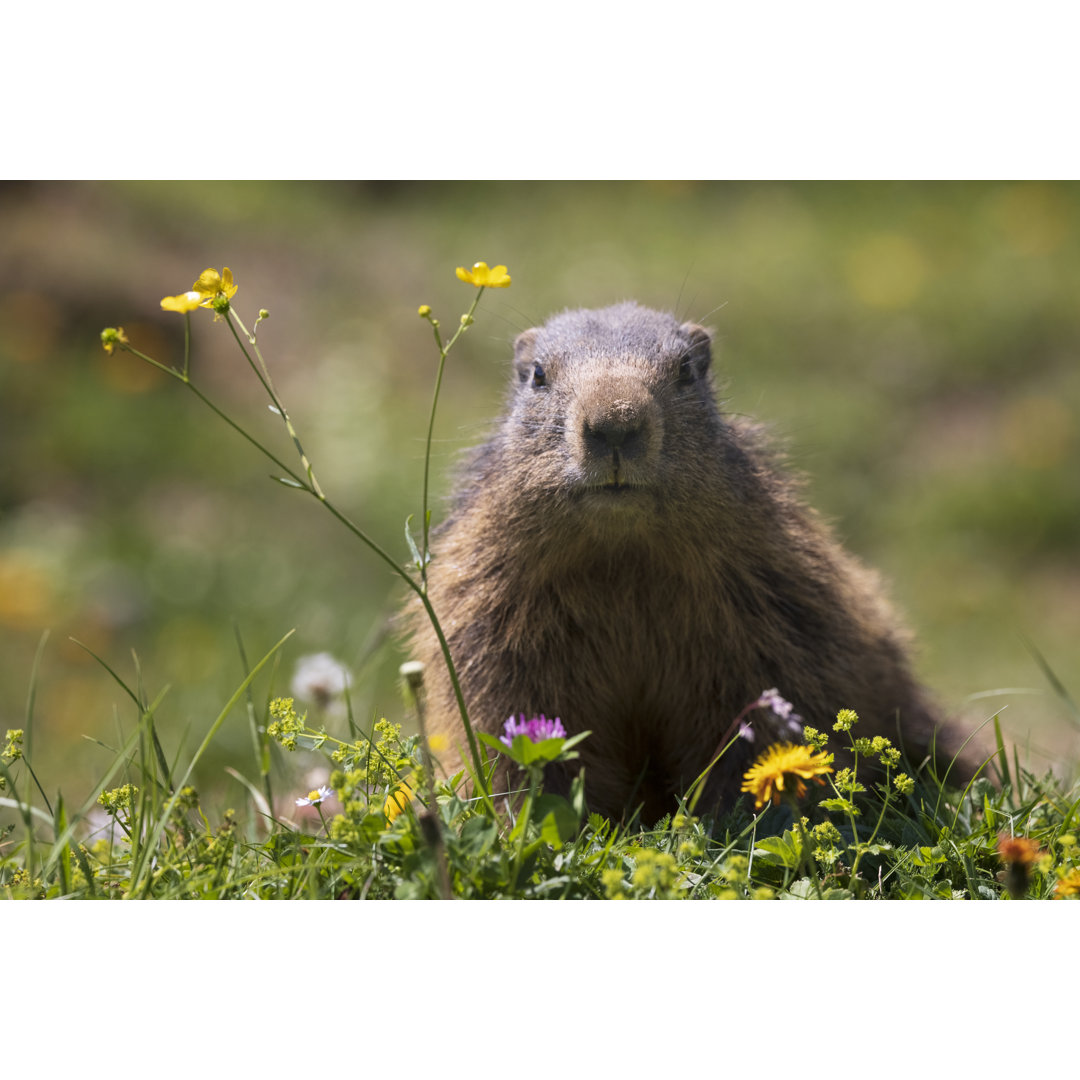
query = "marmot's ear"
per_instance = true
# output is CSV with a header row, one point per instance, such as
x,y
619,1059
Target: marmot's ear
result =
x,y
699,352
524,348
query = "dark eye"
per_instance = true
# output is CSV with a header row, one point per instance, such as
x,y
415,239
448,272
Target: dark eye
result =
x,y
687,371
539,378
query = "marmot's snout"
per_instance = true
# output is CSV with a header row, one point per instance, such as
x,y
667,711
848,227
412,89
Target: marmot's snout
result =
x,y
614,431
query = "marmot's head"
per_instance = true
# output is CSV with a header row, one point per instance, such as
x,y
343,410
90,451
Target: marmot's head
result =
x,y
612,412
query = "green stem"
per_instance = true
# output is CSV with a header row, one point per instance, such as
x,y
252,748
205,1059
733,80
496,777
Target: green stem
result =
x,y
262,373
420,588
443,352
805,856
523,827
877,827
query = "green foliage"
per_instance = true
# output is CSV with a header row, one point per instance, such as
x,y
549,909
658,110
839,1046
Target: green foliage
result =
x,y
931,844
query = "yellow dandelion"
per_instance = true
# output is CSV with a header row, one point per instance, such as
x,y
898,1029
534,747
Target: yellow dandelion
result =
x,y
185,302
1068,886
483,277
211,284
783,763
398,799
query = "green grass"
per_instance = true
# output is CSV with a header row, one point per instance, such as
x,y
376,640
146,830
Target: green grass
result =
x,y
149,838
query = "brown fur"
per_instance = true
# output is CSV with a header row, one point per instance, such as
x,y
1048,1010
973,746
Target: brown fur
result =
x,y
625,557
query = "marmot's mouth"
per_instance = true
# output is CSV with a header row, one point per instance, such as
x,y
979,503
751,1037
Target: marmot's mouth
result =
x,y
615,490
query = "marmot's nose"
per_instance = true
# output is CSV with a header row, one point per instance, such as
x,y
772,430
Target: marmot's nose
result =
x,y
602,438
620,427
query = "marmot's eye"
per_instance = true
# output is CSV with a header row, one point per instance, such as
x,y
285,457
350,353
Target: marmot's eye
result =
x,y
539,378
687,372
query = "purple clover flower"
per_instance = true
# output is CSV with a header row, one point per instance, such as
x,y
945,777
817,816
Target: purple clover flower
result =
x,y
537,729
787,722
771,699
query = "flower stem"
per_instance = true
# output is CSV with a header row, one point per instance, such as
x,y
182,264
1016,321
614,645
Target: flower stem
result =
x,y
262,373
312,487
860,848
806,860
443,352
522,826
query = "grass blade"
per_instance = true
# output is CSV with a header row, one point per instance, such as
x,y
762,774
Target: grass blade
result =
x,y
154,834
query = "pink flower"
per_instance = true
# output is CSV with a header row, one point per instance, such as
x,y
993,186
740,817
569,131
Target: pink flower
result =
x,y
783,724
537,729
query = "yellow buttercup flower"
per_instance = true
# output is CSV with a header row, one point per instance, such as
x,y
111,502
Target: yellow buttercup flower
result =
x,y
212,284
784,763
483,277
185,302
398,799
207,289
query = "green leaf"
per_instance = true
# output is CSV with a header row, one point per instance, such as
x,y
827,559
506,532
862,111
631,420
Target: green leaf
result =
x,y
418,559
477,836
64,862
778,850
557,820
804,889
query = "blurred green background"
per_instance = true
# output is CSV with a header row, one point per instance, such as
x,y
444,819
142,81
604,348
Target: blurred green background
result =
x,y
916,345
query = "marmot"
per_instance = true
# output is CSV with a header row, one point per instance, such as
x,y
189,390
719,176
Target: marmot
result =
x,y
626,557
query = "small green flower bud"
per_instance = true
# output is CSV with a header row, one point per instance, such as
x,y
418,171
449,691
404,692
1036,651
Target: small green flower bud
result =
x,y
112,336
424,311
467,320
263,313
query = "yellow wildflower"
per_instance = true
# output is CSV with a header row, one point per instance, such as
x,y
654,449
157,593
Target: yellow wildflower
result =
x,y
481,276
1068,886
780,763
111,337
398,799
183,303
212,284
208,287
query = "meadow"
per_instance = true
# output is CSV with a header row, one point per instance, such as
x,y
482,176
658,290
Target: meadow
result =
x,y
162,600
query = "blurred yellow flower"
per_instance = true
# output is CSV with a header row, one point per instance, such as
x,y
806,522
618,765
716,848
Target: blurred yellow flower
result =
x,y
111,337
26,592
481,276
398,799
1068,887
211,284
185,302
780,763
